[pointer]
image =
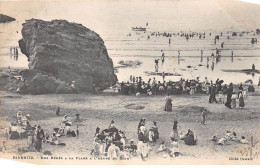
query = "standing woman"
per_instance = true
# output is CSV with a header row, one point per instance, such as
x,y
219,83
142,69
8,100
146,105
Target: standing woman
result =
x,y
175,135
155,130
142,146
233,100
168,104
241,100
192,88
40,136
229,95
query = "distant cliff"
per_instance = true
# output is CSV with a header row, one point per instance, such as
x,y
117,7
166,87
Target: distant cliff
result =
x,y
60,52
5,19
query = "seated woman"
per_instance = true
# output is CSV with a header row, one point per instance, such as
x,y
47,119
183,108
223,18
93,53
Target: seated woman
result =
x,y
214,138
47,138
70,132
243,140
112,124
174,150
65,120
110,137
190,138
222,141
131,147
251,87
234,137
55,141
60,131
101,136
13,131
228,135
162,148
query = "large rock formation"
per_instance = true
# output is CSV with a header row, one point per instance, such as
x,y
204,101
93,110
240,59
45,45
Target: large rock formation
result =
x,y
5,19
60,52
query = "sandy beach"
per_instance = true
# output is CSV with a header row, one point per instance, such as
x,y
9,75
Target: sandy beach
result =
x,y
96,111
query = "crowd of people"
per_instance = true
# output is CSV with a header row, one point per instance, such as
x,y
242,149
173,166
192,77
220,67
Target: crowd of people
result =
x,y
218,91
21,128
229,137
112,142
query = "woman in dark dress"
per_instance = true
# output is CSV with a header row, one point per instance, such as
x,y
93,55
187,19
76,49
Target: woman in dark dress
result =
x,y
168,104
229,95
241,100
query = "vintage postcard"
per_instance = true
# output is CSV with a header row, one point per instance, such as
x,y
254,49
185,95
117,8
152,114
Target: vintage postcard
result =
x,y
126,82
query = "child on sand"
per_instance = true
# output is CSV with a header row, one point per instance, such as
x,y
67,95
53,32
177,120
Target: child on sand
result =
x,y
6,134
243,140
161,147
214,138
4,146
228,135
222,141
221,97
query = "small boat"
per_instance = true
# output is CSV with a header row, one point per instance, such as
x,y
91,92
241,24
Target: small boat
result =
x,y
138,29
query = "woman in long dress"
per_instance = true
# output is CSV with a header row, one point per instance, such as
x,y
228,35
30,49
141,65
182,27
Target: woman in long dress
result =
x,y
233,100
229,95
192,90
142,146
175,135
241,100
168,104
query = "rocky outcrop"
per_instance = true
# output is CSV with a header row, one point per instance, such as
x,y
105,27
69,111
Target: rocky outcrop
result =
x,y
60,52
5,19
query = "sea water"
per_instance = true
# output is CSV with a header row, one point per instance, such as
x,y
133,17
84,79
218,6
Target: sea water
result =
x,y
113,20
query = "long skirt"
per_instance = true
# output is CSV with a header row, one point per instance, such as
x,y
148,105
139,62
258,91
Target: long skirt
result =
x,y
30,141
192,91
151,136
38,145
143,149
241,102
168,106
189,140
228,102
233,103
176,135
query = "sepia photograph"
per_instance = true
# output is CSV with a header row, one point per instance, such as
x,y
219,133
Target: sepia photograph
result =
x,y
130,82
